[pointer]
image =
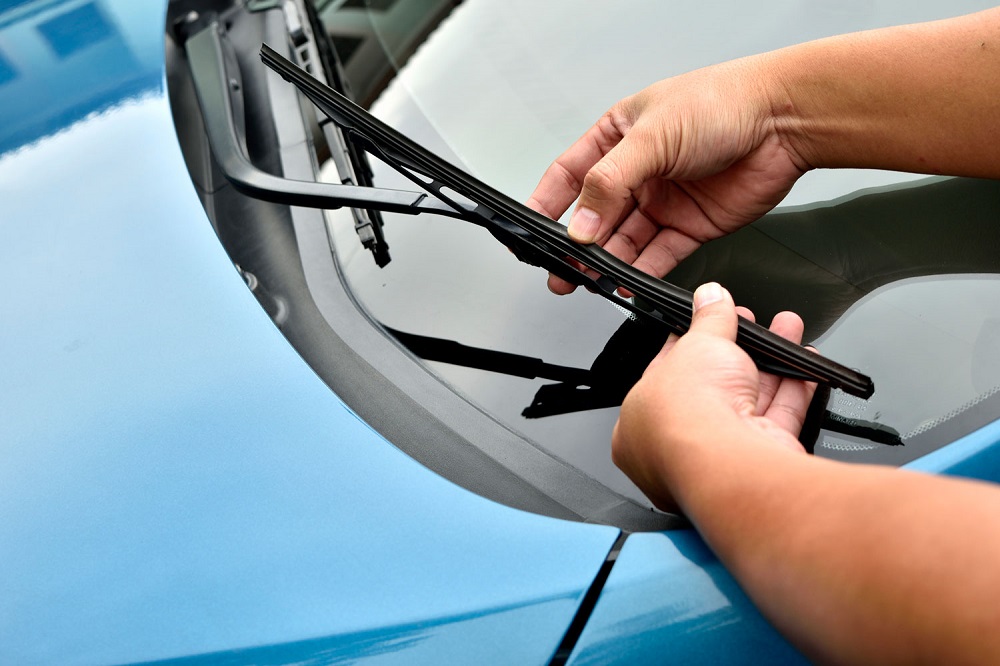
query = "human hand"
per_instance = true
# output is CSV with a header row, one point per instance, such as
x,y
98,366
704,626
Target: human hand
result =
x,y
701,398
686,160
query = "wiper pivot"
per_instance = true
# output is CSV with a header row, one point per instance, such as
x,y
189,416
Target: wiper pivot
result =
x,y
206,57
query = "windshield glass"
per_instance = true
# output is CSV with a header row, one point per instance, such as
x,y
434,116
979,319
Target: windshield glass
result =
x,y
894,274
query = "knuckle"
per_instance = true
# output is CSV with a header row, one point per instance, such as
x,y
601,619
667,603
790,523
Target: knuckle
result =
x,y
621,116
617,120
602,179
560,174
788,414
710,312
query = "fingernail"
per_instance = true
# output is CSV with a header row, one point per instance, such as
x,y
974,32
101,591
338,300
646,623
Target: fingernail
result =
x,y
584,224
706,294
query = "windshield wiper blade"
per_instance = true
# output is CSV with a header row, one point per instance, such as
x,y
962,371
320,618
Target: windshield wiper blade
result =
x,y
537,240
351,163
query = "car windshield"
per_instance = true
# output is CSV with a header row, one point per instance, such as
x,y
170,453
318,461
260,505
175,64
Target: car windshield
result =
x,y
896,275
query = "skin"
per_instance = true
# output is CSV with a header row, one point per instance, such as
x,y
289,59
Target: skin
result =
x,y
853,563
695,157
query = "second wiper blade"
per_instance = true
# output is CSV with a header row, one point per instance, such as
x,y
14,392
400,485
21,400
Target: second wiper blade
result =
x,y
542,242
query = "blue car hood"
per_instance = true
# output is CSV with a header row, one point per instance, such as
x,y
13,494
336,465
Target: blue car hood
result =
x,y
176,483
174,480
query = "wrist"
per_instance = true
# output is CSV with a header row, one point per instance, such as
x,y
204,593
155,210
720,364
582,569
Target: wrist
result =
x,y
786,97
699,453
716,478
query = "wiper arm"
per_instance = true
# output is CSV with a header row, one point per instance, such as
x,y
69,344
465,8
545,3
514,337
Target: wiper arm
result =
x,y
211,80
537,240
351,163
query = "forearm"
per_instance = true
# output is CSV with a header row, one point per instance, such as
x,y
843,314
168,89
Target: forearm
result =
x,y
854,563
920,98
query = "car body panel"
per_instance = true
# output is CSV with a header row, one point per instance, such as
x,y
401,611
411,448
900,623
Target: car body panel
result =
x,y
175,481
503,95
669,599
668,596
975,456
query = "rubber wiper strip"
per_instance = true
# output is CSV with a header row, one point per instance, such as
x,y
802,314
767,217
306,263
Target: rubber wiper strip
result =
x,y
537,240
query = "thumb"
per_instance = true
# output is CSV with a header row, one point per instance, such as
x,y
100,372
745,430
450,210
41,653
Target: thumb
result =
x,y
714,312
608,186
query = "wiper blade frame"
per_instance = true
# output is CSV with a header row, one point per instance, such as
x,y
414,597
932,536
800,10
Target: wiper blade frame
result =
x,y
537,240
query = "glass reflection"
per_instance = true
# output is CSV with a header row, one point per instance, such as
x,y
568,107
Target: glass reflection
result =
x,y
62,61
877,263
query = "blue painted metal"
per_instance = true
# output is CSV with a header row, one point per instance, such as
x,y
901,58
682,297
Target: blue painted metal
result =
x,y
176,484
976,456
668,597
63,60
669,600
174,481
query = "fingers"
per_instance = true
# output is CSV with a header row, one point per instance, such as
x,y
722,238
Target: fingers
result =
x,y
563,180
559,286
559,185
790,403
667,346
714,312
673,337
649,245
782,402
785,401
606,195
789,326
